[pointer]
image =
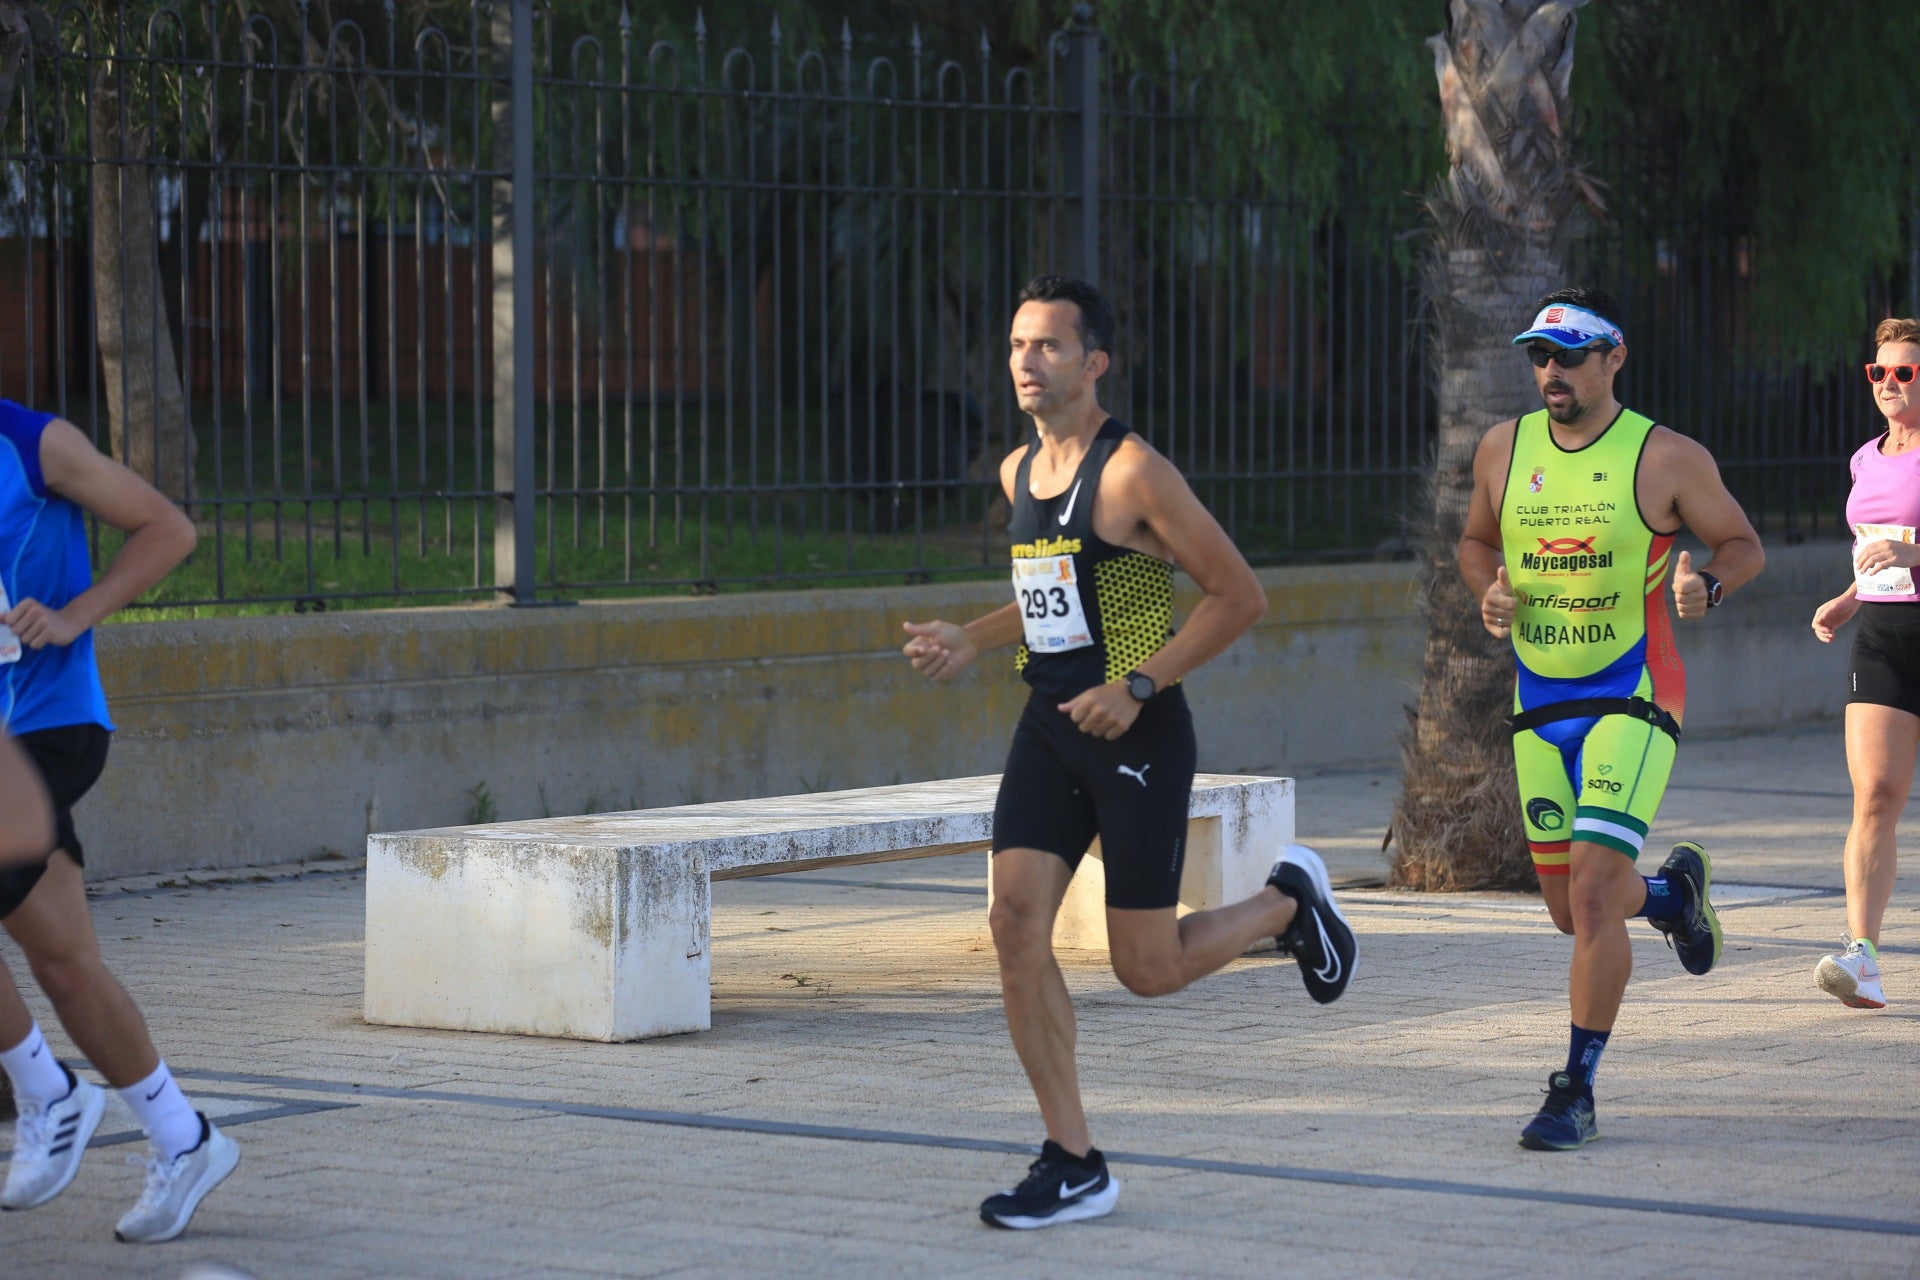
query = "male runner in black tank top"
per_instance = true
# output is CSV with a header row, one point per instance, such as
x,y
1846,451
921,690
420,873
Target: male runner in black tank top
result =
x,y
1105,745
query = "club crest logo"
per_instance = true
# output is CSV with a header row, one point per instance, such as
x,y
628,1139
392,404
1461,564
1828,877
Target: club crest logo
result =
x,y
1538,481
1545,814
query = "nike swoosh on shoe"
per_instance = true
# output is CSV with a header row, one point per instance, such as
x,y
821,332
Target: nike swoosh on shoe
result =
x,y
1330,971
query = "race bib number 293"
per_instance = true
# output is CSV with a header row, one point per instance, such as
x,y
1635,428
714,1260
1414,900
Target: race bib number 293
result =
x,y
1050,608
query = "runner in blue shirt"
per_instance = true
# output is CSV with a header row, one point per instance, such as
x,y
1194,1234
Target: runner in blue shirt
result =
x,y
26,819
51,702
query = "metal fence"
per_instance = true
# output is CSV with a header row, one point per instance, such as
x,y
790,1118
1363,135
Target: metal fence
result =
x,y
501,306
1686,275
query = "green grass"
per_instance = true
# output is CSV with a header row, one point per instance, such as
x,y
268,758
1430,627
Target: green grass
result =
x,y
279,531
411,554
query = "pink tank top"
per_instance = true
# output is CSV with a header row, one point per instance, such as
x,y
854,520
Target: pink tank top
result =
x,y
1885,503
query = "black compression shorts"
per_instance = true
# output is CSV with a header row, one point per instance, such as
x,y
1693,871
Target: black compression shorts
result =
x,y
1063,787
1884,668
70,760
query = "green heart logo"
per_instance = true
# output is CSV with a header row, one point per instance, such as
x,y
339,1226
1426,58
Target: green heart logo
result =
x,y
1605,769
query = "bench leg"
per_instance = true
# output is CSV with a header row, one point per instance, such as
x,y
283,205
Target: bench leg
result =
x,y
1227,859
586,943
1232,861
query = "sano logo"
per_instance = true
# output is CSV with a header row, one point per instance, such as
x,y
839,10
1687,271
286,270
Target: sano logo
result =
x,y
1607,785
1566,554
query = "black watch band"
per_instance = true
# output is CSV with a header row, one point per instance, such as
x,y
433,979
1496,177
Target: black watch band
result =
x,y
1714,589
1141,686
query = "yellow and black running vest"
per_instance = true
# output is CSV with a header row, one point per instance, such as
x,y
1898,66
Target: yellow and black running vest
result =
x,y
1092,611
1591,630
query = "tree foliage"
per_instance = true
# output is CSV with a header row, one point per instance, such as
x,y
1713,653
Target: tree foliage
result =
x,y
1787,123
1278,72
1777,122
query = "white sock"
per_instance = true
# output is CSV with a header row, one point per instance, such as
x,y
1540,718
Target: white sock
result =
x,y
34,1071
172,1125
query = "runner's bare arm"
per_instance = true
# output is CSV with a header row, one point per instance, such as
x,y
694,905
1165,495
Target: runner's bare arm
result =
x,y
159,536
1479,551
1141,483
1701,502
1885,553
1835,613
942,650
1144,494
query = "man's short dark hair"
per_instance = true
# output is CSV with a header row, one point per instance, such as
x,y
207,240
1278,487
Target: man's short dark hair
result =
x,y
1598,301
1096,323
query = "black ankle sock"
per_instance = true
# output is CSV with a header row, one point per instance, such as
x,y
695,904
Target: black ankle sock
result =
x,y
1092,1160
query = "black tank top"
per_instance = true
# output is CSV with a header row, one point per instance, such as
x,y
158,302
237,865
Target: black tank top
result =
x,y
1092,611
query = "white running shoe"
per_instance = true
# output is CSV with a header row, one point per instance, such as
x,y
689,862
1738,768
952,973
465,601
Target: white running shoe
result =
x,y
176,1187
1852,977
48,1141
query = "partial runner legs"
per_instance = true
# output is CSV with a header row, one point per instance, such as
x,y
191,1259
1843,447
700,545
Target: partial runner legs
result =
x,y
1882,746
189,1156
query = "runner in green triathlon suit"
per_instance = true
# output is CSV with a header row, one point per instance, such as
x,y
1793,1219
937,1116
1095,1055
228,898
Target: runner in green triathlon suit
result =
x,y
1568,540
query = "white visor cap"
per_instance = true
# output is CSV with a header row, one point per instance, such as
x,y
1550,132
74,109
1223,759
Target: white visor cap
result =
x,y
1571,327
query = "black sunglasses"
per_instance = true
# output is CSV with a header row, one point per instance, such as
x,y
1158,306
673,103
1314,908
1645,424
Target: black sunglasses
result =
x,y
1569,357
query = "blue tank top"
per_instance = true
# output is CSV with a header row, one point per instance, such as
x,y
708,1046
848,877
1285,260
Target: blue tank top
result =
x,y
43,556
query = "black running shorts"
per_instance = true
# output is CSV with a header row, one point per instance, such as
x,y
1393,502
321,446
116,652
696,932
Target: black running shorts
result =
x,y
1063,787
1884,668
70,760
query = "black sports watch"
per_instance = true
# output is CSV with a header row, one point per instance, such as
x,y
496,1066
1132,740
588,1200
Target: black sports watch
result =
x,y
1714,589
1141,686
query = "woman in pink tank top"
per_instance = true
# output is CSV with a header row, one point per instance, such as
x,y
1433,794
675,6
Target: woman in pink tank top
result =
x,y
1883,678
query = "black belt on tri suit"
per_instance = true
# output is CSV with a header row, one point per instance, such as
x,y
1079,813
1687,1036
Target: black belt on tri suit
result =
x,y
1578,708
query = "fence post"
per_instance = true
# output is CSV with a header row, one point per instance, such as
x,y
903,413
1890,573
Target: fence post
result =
x,y
1913,249
513,268
1083,144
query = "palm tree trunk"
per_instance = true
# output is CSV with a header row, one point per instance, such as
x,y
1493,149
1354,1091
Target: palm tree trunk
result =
x,y
1502,219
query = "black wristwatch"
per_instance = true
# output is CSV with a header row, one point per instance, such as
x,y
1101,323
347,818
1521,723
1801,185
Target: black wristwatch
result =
x,y
1714,589
1141,686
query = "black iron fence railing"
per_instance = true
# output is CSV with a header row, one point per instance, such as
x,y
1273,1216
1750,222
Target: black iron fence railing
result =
x,y
409,310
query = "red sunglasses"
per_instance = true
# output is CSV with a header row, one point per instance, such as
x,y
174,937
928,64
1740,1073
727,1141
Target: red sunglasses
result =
x,y
1900,372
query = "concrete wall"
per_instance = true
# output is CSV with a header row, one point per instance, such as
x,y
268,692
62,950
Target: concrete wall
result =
x,y
262,740
1753,664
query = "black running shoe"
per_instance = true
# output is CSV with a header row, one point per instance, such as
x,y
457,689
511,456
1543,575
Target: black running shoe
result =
x,y
1318,938
1565,1122
1695,934
1058,1188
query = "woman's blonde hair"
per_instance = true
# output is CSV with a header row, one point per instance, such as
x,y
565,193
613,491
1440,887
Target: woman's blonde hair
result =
x,y
1894,329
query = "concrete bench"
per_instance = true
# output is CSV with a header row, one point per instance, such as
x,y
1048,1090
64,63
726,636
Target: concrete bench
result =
x,y
597,927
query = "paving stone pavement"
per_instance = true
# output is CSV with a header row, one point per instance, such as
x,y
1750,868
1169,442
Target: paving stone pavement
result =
x,y
857,1095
